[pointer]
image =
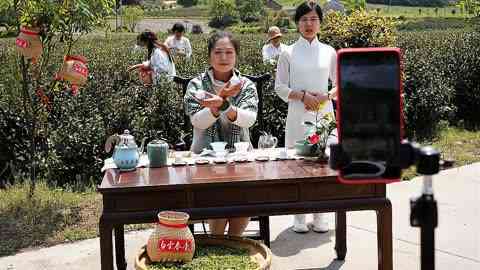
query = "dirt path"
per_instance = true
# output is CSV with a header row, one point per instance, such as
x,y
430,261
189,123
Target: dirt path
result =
x,y
163,25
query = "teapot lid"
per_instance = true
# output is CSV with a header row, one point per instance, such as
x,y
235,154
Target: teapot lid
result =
x,y
126,138
157,142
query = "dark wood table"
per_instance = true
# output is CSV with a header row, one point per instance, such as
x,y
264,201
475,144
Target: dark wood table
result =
x,y
237,190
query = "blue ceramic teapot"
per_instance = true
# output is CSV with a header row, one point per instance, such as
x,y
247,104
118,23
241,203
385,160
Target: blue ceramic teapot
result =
x,y
126,154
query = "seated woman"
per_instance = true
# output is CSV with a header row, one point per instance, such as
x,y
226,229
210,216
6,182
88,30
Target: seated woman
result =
x,y
222,105
159,60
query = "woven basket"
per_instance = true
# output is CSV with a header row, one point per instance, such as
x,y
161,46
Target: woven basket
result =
x,y
74,69
28,42
172,240
258,251
145,75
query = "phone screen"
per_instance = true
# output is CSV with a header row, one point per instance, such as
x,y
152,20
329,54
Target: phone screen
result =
x,y
370,121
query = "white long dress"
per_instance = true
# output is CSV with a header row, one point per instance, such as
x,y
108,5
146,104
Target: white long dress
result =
x,y
304,66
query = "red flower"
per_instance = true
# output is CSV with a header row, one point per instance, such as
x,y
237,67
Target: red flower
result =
x,y
314,138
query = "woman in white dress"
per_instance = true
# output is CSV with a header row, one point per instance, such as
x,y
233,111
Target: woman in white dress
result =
x,y
303,71
159,60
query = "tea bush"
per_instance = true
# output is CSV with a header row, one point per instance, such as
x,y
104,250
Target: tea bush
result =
x,y
441,82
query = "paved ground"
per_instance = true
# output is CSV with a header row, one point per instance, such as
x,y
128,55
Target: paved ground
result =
x,y
457,237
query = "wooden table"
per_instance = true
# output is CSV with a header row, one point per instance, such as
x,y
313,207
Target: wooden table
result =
x,y
237,190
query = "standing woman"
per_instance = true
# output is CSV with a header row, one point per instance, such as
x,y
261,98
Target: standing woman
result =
x,y
178,43
302,77
159,60
222,105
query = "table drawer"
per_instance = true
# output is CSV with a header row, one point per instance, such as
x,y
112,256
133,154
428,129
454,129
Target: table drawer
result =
x,y
145,201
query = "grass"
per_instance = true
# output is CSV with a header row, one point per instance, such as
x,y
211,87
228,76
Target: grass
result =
x,y
52,216
56,215
461,145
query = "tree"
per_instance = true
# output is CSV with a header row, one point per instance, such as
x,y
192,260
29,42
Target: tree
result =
x,y
187,3
223,13
61,24
131,17
250,10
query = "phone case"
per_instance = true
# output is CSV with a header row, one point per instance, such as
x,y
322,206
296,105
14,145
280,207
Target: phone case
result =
x,y
364,171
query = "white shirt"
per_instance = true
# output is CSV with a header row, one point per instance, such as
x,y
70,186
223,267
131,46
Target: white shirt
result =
x,y
181,45
160,63
270,52
304,66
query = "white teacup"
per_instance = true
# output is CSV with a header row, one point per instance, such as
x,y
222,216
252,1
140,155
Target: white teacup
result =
x,y
218,147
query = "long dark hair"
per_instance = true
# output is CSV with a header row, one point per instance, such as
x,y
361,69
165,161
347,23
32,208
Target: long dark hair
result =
x,y
150,40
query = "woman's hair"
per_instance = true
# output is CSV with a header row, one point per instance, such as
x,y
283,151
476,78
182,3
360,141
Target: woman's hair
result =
x,y
149,39
216,36
178,27
305,8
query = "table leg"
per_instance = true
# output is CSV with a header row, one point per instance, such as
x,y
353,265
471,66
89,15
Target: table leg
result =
x,y
384,237
120,247
341,234
106,245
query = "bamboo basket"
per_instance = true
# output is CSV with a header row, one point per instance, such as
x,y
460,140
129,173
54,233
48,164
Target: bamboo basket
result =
x,y
28,42
172,240
260,253
145,75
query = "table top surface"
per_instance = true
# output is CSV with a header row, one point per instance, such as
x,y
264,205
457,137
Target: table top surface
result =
x,y
181,176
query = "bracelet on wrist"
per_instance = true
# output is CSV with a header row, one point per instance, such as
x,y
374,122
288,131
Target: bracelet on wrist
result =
x,y
303,96
225,105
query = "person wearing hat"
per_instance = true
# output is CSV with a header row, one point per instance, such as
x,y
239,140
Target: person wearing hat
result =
x,y
274,47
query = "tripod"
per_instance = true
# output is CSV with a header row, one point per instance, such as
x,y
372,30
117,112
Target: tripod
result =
x,y
423,209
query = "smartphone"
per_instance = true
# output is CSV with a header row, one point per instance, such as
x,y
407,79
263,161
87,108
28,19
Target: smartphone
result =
x,y
369,117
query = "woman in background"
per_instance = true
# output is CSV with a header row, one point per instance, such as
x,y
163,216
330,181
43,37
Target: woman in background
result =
x,y
159,61
178,43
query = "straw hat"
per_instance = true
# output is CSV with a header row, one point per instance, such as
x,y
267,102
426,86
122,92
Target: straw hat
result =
x,y
273,32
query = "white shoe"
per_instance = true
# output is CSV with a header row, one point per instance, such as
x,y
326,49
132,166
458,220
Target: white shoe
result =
x,y
299,224
320,224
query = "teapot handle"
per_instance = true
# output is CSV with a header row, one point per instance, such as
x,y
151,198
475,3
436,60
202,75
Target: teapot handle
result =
x,y
111,142
275,142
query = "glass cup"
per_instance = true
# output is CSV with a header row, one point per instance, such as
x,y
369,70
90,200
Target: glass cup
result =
x,y
242,148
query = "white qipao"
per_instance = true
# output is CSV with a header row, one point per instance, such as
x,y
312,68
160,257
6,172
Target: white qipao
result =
x,y
304,66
